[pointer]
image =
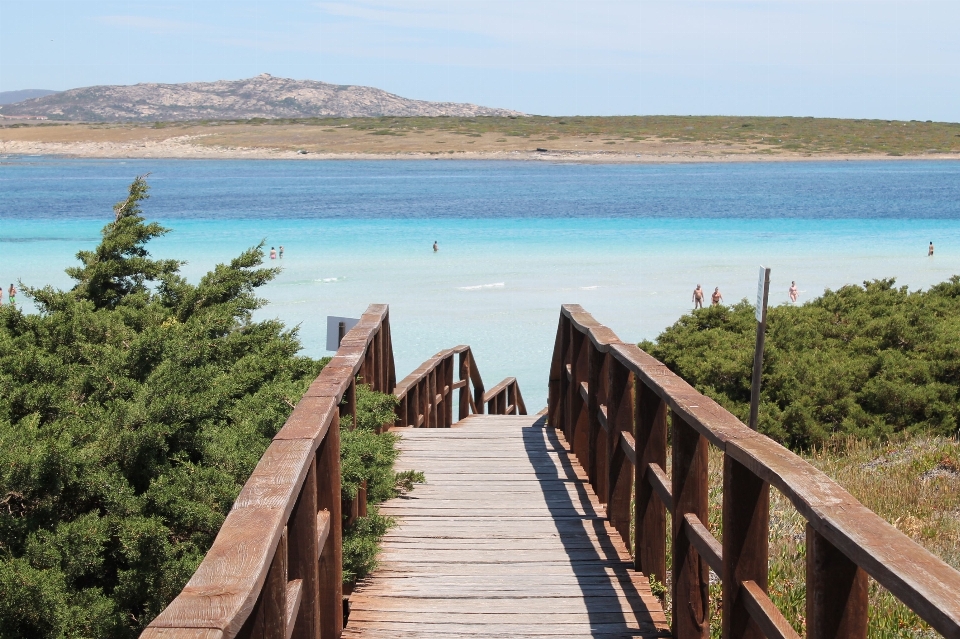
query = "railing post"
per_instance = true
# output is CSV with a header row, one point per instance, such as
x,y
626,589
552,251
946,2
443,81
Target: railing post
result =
x,y
594,444
464,399
836,592
619,420
691,578
558,384
432,397
477,386
578,424
331,555
303,553
448,391
269,617
746,526
377,347
650,516
351,407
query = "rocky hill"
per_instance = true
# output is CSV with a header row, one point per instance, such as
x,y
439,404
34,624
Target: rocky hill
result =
x,y
261,97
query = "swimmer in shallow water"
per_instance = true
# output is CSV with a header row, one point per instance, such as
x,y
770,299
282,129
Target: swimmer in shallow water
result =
x,y
717,297
697,297
793,292
435,247
273,253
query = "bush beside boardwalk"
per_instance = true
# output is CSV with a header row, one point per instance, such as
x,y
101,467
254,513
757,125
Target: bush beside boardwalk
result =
x,y
862,382
132,410
870,361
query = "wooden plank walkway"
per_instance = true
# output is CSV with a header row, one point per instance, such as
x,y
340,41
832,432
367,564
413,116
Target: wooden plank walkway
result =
x,y
506,538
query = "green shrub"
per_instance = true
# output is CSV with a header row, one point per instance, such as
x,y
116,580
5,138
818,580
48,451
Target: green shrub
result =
x,y
866,361
132,410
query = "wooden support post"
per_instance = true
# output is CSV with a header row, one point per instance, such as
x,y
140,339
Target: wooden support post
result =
x,y
691,578
574,402
591,463
448,396
350,407
836,592
432,397
746,525
302,554
650,517
331,555
560,387
391,369
477,385
620,473
464,398
380,382
270,614
580,426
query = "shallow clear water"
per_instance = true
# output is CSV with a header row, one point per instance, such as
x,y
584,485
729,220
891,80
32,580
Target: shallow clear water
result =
x,y
628,242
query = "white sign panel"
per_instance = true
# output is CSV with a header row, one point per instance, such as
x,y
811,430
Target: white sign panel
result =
x,y
333,330
759,314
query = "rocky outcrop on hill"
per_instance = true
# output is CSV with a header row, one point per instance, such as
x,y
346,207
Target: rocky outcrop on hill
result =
x,y
261,97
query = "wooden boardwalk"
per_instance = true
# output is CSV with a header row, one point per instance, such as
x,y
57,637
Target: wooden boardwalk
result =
x,y
506,538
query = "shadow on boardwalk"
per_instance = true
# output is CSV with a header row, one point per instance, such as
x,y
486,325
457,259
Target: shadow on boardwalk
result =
x,y
504,540
614,594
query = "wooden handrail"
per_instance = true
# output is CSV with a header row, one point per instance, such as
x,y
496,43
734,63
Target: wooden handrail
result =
x,y
275,566
426,395
611,400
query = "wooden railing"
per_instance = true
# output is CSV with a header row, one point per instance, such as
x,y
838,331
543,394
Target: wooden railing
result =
x,y
426,394
612,400
274,569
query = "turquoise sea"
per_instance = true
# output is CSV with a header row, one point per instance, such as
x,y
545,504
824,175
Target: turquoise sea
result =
x,y
628,242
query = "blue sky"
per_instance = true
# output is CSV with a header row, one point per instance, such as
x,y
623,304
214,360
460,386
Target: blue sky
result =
x,y
841,58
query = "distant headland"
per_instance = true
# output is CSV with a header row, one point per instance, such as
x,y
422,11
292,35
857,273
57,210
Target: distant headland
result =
x,y
263,96
276,118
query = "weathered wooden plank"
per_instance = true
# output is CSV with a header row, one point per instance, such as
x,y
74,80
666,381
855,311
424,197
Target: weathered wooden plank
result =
x,y
459,564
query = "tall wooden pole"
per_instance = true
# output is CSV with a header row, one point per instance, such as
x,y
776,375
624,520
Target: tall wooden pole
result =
x,y
763,290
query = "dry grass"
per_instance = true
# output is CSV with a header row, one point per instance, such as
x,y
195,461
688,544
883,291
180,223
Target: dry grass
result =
x,y
625,137
914,484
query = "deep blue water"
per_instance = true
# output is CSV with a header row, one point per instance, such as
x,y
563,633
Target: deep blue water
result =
x,y
35,188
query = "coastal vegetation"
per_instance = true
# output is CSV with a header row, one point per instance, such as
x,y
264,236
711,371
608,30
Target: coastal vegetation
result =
x,y
869,361
133,407
611,137
863,383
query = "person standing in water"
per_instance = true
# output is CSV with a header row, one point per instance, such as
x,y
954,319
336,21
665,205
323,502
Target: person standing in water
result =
x,y
273,253
697,297
793,292
13,293
930,250
435,247
281,251
717,297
